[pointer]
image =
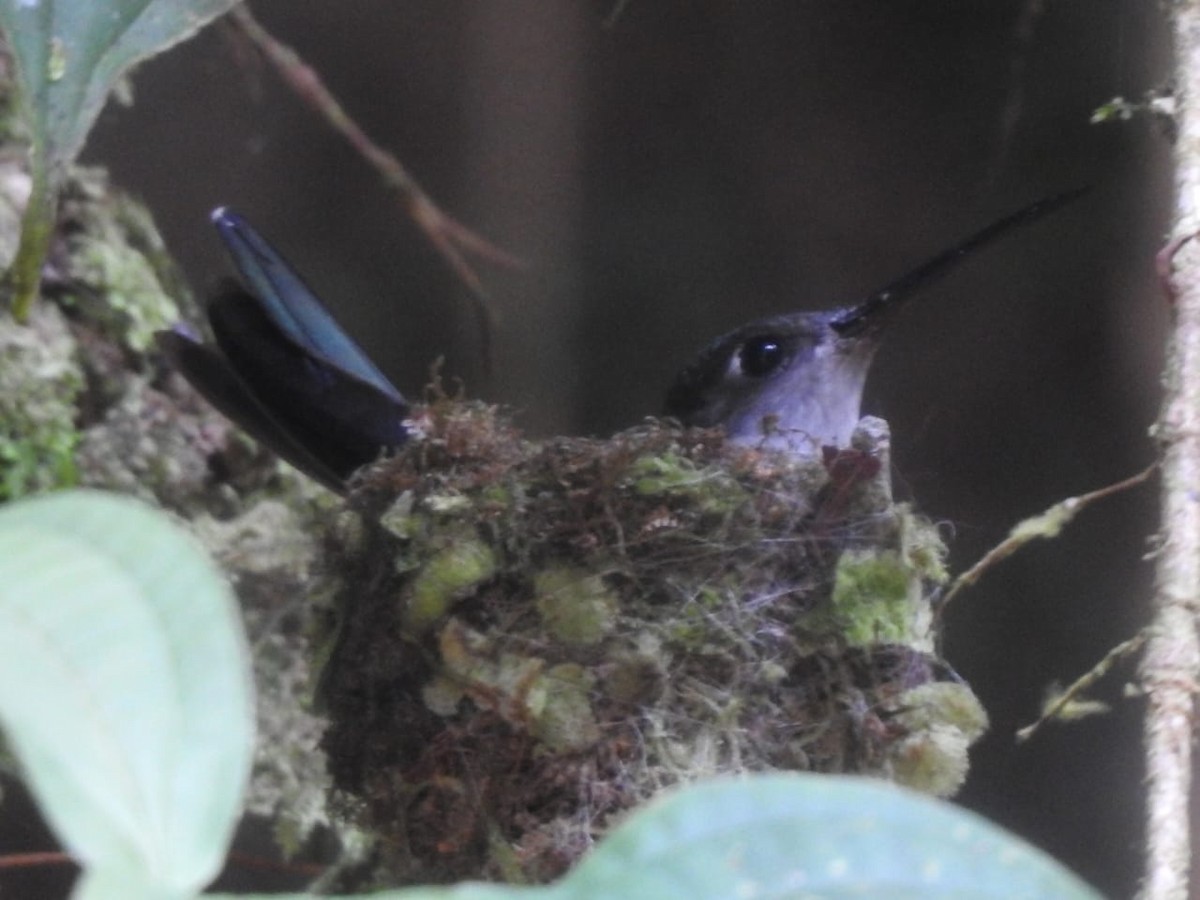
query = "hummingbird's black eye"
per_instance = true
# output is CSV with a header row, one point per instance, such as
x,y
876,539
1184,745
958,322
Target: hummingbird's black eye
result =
x,y
760,356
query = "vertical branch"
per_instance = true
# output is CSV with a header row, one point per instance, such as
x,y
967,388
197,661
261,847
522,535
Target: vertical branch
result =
x,y
1172,655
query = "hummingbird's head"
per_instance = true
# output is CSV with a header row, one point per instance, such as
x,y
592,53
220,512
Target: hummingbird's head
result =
x,y
791,382
794,382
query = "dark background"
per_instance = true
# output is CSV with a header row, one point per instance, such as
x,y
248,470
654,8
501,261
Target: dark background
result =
x,y
703,163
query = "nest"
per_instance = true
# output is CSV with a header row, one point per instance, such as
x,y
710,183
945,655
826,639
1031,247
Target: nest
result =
x,y
527,639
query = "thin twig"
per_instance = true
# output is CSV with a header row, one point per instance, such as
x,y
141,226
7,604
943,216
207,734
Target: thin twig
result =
x,y
1060,707
1044,525
451,238
262,864
36,859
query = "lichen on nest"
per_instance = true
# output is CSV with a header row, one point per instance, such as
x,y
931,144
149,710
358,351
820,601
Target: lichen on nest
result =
x,y
527,638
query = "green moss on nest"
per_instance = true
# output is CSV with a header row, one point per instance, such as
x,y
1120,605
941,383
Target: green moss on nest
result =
x,y
447,575
941,720
871,597
672,475
560,704
575,605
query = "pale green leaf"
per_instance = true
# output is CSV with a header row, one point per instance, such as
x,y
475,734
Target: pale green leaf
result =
x,y
69,54
801,835
124,689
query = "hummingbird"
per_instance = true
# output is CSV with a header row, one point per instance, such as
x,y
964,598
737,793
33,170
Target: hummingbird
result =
x,y
286,373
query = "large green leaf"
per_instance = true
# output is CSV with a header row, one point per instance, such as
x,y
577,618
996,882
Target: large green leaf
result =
x,y
69,54
796,836
125,690
816,836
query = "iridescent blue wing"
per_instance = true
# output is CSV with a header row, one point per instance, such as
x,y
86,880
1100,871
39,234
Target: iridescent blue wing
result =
x,y
285,370
291,305
338,418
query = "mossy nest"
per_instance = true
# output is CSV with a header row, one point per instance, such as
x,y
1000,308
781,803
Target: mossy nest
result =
x,y
527,639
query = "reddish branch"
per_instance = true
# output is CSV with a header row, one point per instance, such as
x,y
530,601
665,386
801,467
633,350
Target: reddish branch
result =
x,y
452,239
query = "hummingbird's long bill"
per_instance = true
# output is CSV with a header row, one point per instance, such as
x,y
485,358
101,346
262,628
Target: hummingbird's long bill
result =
x,y
885,300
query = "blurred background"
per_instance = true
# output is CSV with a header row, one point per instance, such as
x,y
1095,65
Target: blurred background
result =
x,y
692,165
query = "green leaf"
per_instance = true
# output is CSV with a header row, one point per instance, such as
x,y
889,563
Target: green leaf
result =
x,y
69,55
125,690
796,836
814,836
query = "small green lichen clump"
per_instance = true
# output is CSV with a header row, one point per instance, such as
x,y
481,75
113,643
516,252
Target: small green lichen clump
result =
x,y
39,385
115,266
527,639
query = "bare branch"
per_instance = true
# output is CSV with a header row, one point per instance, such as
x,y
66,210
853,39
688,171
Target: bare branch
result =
x,y
451,238
1172,658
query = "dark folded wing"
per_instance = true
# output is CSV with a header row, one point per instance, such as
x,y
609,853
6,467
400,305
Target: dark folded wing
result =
x,y
212,376
340,419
